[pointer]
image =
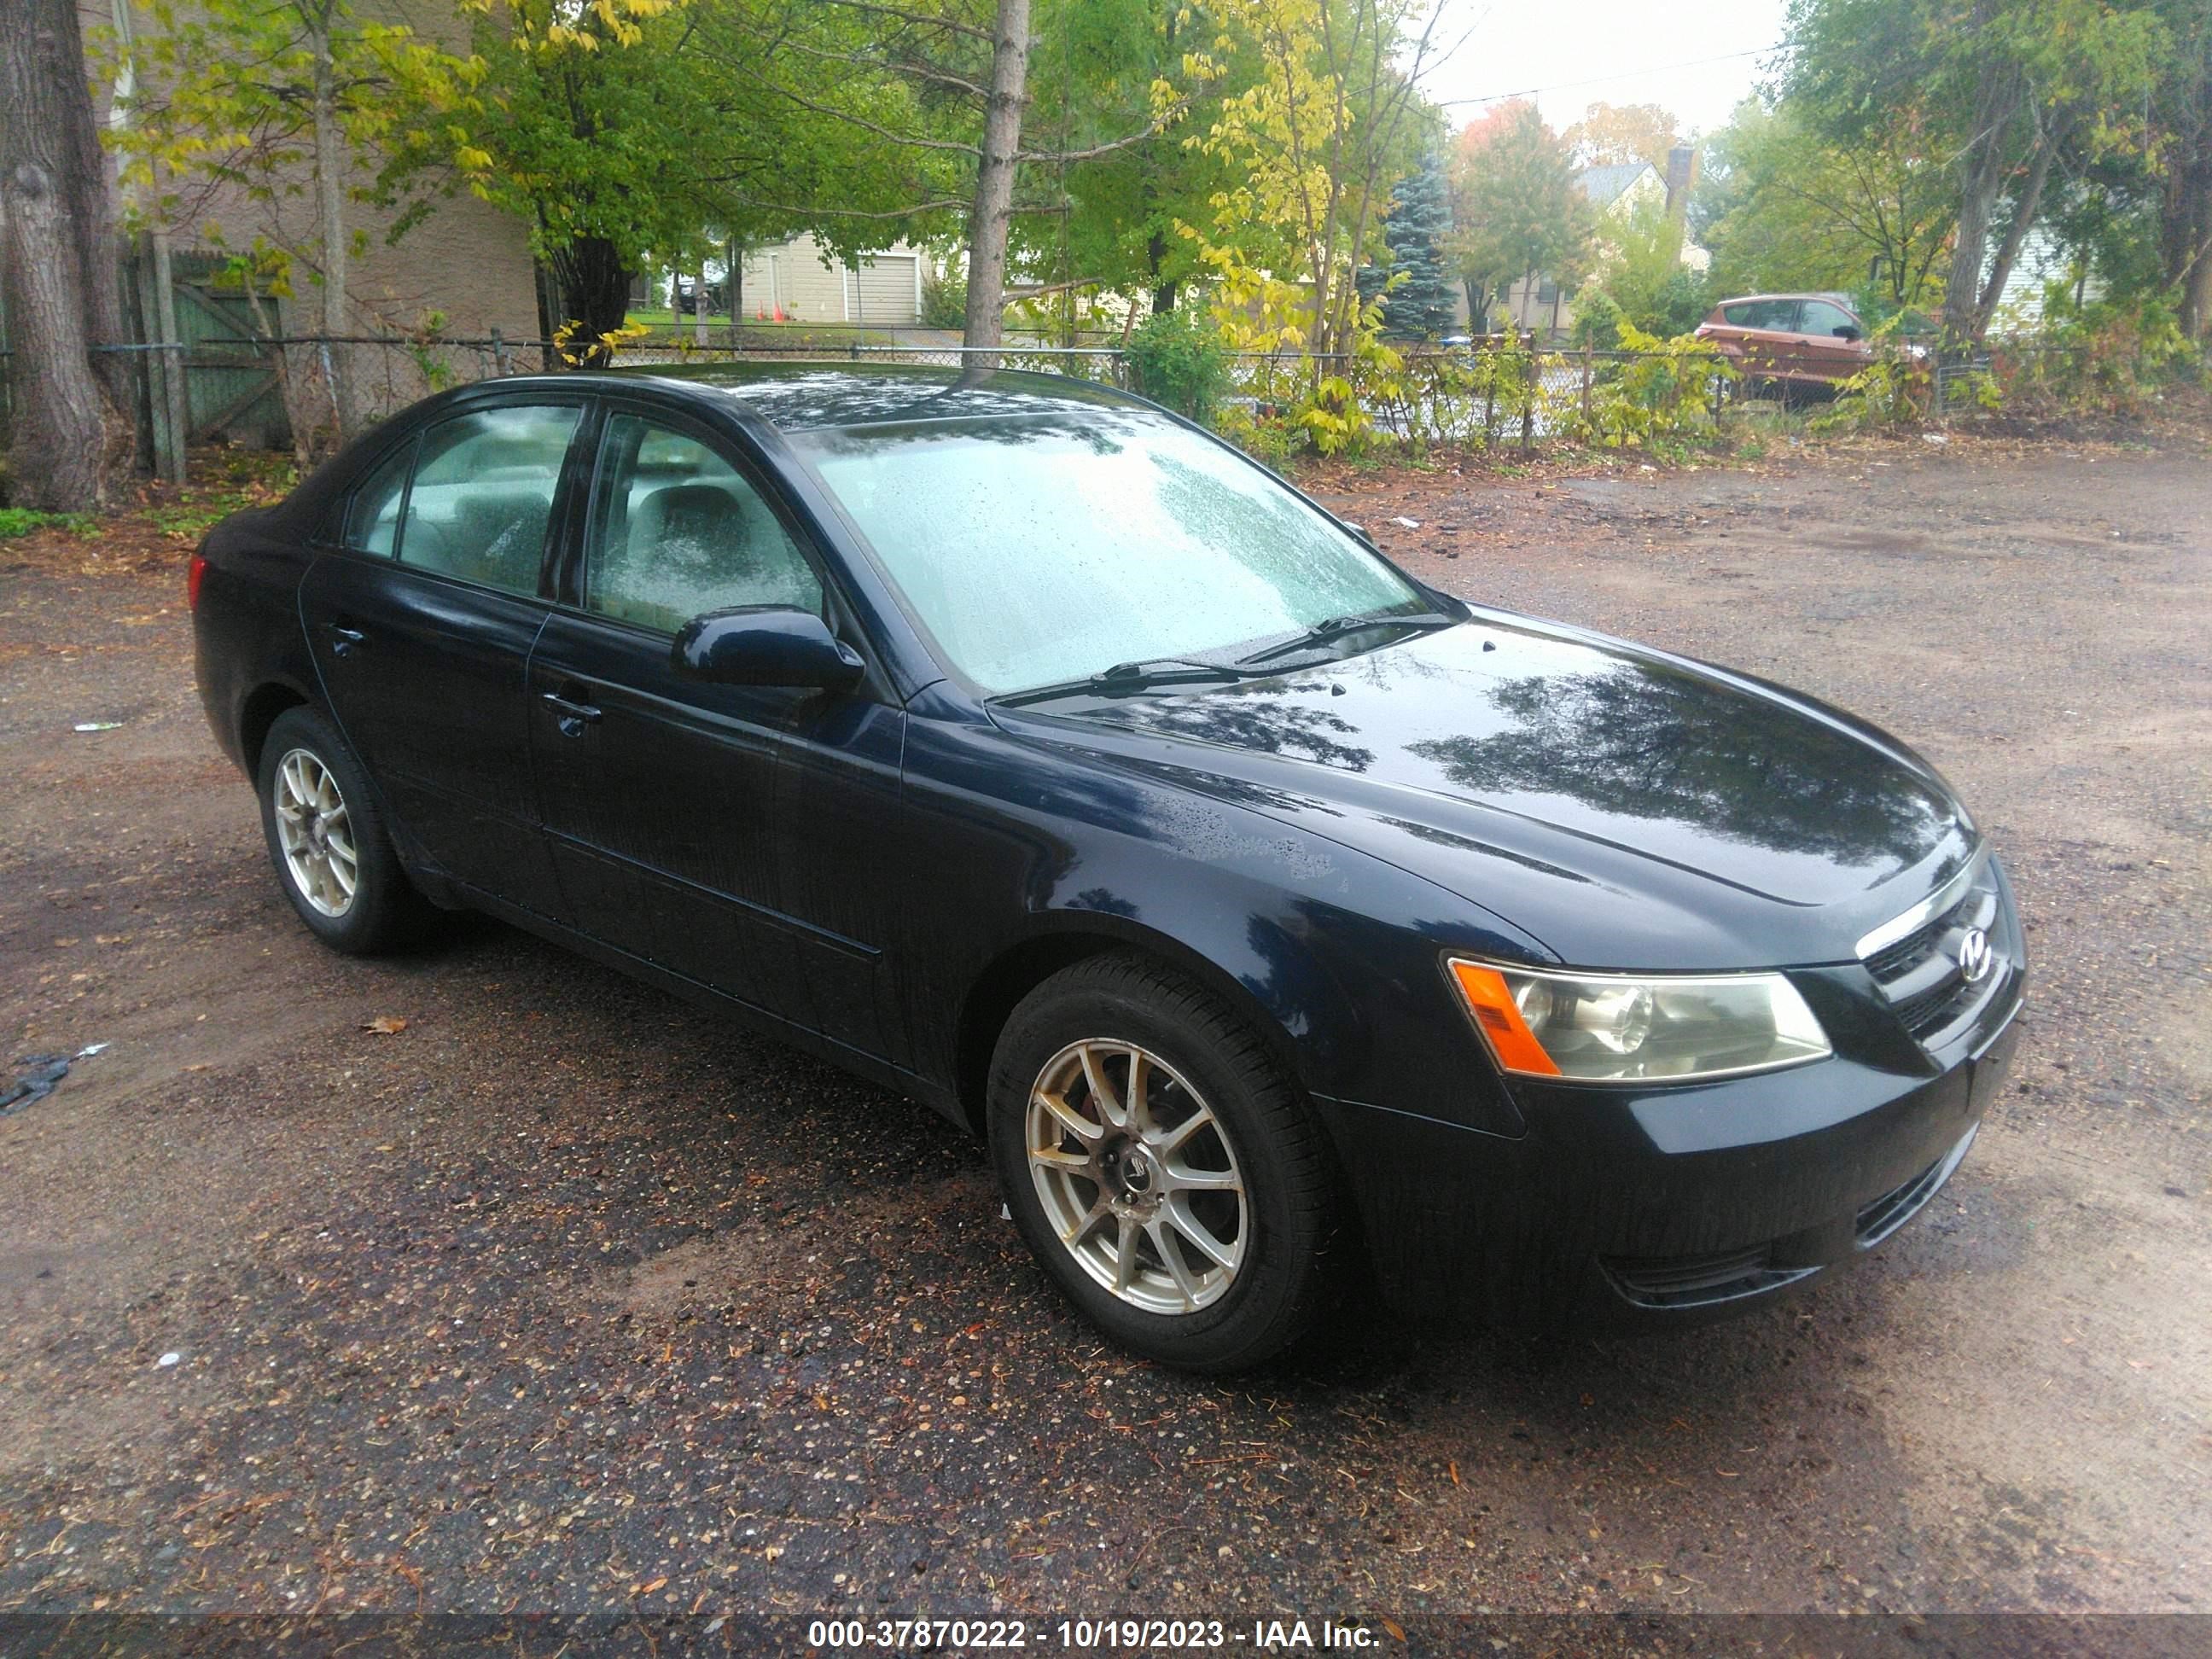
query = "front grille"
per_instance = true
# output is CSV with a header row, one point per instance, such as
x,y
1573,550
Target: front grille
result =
x,y
1911,951
1689,1281
1919,973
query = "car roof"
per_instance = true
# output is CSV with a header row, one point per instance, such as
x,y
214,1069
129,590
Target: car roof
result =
x,y
807,396
1829,293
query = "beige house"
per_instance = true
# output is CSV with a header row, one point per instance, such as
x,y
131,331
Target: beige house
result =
x,y
806,283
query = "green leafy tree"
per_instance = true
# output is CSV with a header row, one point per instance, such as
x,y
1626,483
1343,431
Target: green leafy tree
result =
x,y
1640,272
2000,94
1780,206
1112,220
1006,99
641,134
1520,213
272,106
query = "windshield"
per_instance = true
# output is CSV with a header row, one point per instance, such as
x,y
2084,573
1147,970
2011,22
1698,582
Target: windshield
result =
x,y
1040,548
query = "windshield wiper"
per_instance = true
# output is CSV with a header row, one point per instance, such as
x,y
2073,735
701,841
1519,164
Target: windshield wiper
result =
x,y
1125,677
1336,628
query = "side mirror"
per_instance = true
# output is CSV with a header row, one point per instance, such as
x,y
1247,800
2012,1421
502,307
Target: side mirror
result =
x,y
767,645
1847,332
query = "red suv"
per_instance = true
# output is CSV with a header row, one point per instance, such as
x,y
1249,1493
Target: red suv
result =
x,y
1793,339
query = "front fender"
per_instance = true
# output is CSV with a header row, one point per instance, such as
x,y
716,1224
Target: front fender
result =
x,y
1335,955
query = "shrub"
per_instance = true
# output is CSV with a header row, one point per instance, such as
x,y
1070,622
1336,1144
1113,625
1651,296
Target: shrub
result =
x,y
1667,391
1177,358
22,520
945,302
1597,321
1270,438
2106,357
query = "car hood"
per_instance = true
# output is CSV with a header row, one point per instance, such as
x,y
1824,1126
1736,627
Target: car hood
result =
x,y
1625,807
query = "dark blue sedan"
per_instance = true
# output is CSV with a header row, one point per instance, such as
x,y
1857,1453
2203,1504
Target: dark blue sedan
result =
x,y
1280,921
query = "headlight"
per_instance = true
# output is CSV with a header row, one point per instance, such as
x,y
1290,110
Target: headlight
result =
x,y
1619,1028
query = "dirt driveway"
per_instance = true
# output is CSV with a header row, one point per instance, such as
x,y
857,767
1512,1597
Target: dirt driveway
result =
x,y
564,1297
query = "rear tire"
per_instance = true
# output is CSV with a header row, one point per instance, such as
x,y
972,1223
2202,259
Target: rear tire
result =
x,y
326,837
1193,1215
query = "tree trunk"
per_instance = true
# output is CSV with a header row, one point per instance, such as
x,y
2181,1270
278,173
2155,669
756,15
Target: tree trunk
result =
x,y
2185,232
54,463
329,210
2026,205
57,458
736,294
1997,102
699,307
995,182
81,174
1164,287
594,294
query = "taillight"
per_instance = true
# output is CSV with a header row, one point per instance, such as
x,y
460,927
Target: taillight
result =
x,y
193,572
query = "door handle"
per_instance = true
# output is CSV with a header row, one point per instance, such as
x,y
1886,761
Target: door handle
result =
x,y
574,716
344,640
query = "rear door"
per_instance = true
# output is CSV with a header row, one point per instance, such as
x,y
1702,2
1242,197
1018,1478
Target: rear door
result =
x,y
1763,333
667,798
421,622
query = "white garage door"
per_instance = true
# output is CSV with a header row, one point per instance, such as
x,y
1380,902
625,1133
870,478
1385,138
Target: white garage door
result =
x,y
884,290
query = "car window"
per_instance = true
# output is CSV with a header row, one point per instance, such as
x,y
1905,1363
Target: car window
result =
x,y
483,495
677,531
372,523
1037,548
1778,314
1823,317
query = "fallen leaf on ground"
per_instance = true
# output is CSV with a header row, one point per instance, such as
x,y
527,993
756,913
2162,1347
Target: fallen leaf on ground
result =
x,y
386,1026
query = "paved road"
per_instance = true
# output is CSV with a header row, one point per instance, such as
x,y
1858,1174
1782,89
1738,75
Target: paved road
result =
x,y
564,1297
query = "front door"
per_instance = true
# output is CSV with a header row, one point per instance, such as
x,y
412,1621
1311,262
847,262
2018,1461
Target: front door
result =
x,y
1830,342
422,624
661,791
1763,333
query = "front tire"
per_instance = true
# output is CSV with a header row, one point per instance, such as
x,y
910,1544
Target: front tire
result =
x,y
1163,1168
326,837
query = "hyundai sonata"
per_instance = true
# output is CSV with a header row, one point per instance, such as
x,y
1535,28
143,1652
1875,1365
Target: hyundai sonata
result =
x,y
1272,915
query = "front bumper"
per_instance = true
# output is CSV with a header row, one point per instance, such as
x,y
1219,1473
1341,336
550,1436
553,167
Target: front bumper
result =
x,y
1627,1208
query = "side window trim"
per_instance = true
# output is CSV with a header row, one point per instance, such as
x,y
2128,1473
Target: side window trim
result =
x,y
570,595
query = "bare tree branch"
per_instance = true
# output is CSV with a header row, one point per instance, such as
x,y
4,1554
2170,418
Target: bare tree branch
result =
x,y
1107,148
923,19
866,126
859,213
916,70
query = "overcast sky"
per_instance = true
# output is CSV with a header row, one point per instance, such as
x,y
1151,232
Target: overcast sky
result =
x,y
1573,53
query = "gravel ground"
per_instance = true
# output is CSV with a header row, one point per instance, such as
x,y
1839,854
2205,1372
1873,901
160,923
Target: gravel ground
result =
x,y
562,1297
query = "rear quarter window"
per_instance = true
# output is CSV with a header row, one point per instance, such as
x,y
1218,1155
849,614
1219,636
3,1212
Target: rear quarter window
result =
x,y
371,521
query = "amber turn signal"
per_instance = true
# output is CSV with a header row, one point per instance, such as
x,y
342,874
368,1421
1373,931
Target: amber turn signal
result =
x,y
1499,1019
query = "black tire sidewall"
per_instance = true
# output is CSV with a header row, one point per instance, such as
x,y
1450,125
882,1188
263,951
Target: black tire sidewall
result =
x,y
383,903
1278,1288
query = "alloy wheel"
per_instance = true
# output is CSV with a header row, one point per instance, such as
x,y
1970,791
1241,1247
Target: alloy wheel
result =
x,y
1137,1176
316,833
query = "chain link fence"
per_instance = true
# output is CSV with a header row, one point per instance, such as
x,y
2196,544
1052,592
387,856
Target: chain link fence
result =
x,y
1502,393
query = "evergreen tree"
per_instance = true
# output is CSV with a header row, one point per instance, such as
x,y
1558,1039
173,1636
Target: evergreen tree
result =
x,y
1420,306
